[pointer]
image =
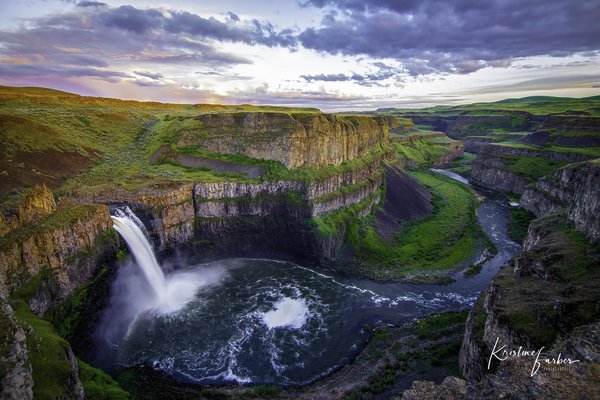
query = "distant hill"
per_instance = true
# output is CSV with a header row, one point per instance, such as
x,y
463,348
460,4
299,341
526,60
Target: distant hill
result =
x,y
51,96
536,105
537,99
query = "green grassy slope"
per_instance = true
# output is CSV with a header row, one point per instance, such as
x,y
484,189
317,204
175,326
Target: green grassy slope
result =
x,y
75,142
537,105
439,242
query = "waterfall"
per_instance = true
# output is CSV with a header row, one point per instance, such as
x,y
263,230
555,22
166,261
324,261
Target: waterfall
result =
x,y
161,294
132,230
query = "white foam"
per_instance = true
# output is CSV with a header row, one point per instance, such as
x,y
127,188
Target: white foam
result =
x,y
288,312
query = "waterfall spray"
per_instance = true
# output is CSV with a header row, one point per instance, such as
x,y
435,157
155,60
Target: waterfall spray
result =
x,y
169,293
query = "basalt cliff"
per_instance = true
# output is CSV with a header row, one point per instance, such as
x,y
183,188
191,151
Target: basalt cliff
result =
x,y
229,182
324,189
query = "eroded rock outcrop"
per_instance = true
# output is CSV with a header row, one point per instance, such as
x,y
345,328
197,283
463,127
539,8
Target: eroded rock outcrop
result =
x,y
38,202
67,243
16,382
492,167
575,189
295,139
474,350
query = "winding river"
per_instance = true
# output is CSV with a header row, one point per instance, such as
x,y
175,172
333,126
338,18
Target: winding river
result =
x,y
266,321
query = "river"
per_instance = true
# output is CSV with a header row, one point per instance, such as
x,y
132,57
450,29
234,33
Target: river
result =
x,y
268,321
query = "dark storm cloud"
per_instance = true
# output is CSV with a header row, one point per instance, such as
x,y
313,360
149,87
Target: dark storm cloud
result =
x,y
141,21
131,19
458,36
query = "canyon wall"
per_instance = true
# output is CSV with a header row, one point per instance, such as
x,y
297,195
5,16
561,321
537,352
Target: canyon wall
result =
x,y
493,166
16,382
186,213
459,126
295,139
513,380
65,244
491,171
574,189
548,291
47,251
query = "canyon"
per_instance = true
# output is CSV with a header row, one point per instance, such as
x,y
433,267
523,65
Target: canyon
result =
x,y
330,192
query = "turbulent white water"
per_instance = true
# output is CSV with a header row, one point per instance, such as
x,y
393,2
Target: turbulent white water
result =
x,y
288,312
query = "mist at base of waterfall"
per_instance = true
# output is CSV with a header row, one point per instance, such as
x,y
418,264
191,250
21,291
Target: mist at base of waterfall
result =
x,y
131,299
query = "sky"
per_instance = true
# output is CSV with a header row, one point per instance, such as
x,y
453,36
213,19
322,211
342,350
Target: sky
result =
x,y
331,54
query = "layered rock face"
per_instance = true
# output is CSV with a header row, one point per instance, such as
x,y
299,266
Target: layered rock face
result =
x,y
575,189
295,139
167,210
179,213
67,243
490,170
491,167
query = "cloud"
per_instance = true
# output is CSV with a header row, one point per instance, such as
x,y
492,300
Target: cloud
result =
x,y
142,21
379,72
211,73
264,95
152,75
326,78
460,36
93,36
91,4
544,83
36,71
